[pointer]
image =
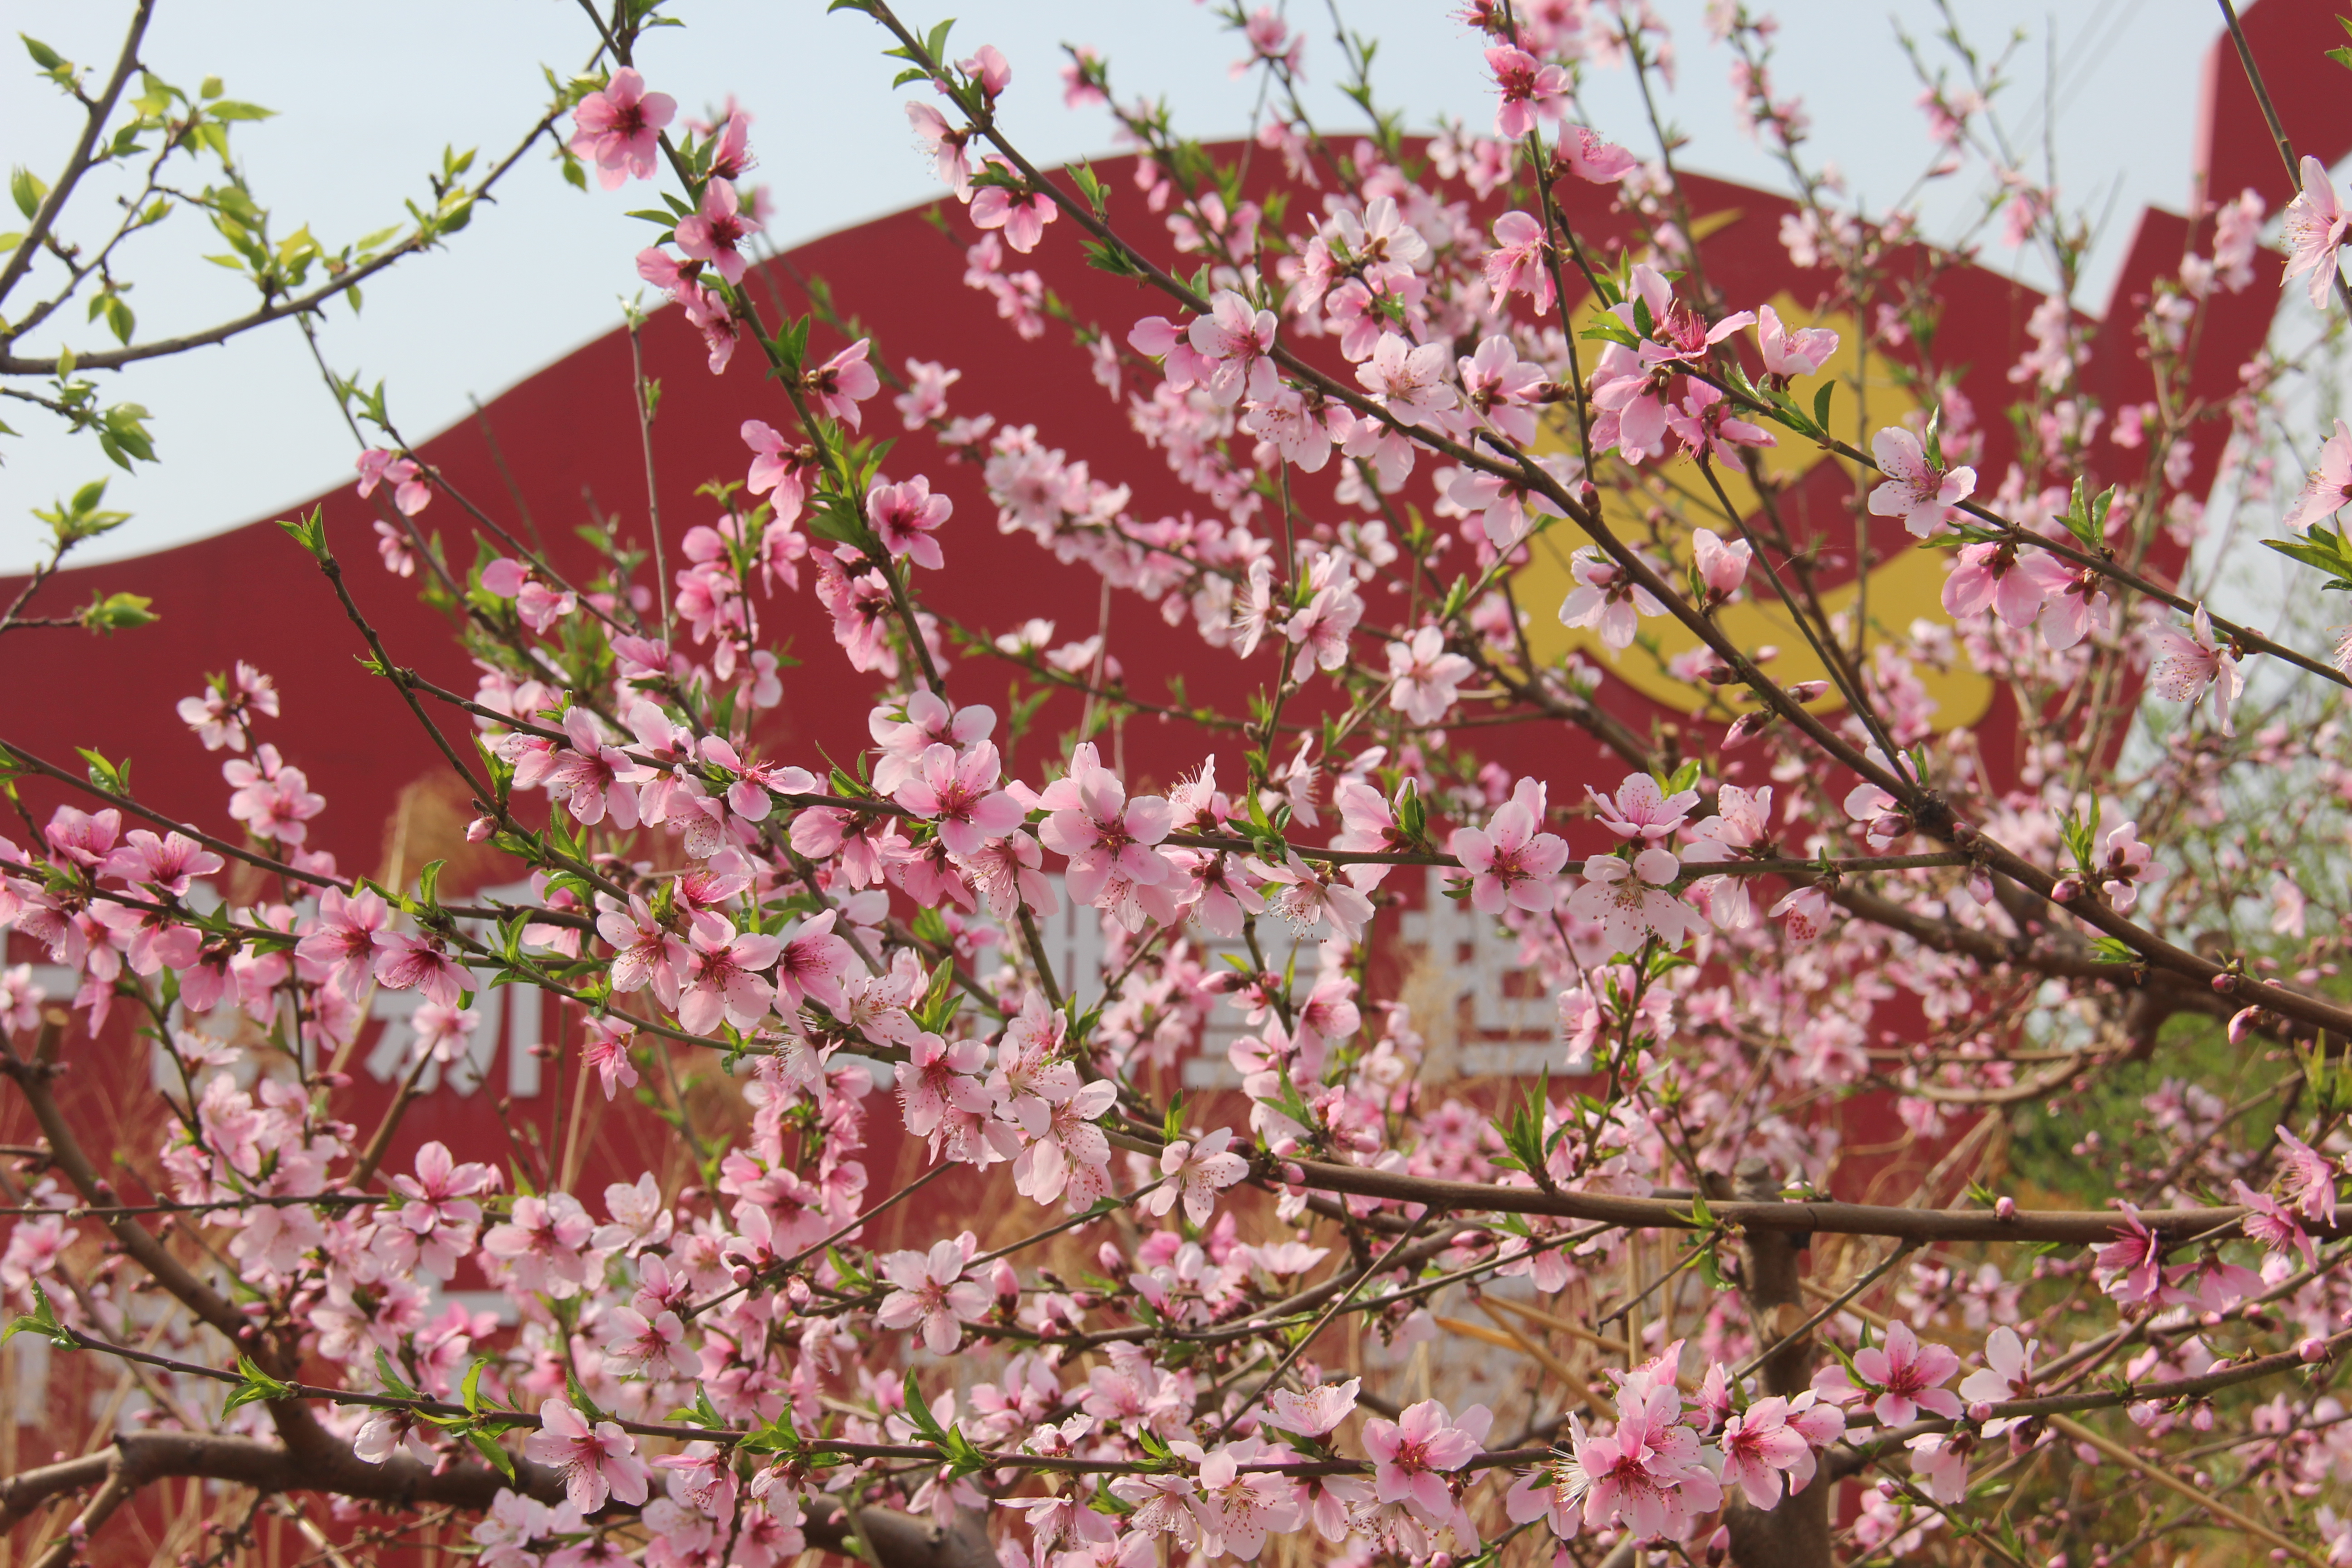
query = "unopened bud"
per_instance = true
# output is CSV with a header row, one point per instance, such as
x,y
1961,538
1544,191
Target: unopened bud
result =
x,y
2068,890
1292,1173
480,828
2313,1350
1110,1259
334,1080
1807,691
1588,497
1718,1545
2225,982
2242,1023
1981,1411
1746,727
741,1274
1717,674
2004,1207
1004,1283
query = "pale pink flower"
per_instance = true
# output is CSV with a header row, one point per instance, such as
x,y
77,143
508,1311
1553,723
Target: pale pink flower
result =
x,y
1807,909
1915,489
2313,227
946,145
597,1463
2323,493
2007,1375
1316,1411
1643,811
1104,834
644,952
1236,1511
2308,1178
722,979
619,130
1722,567
1424,679
1232,343
1607,599
1788,351
1518,263
929,1293
2181,665
1306,896
1408,381
1631,901
1197,1170
1759,1447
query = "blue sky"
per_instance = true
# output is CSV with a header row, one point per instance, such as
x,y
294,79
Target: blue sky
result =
x,y
364,110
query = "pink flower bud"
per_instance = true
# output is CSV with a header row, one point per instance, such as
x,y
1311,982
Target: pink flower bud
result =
x,y
1292,1173
2004,1207
2313,1350
2242,1023
1807,691
1004,1283
1981,1411
478,829
1746,727
2068,890
2225,983
1718,1545
1111,1260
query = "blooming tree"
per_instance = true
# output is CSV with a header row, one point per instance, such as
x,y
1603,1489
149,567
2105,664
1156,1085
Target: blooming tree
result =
x,y
1395,372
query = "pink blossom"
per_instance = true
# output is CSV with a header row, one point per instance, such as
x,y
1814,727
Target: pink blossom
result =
x,y
946,145
1320,1409
930,1292
1791,352
1411,1454
837,386
905,517
722,979
1409,382
597,1463
2007,1375
1233,341
2012,579
778,467
1197,1170
1606,598
1759,1447
1915,489
619,128
1642,810
410,492
1424,678
1511,861
1237,1511
1104,834
1022,212
717,231
1907,1374
2325,493
405,961
990,69
1519,262
1631,901
1809,911
961,796
1722,567
2181,665
1529,90
2307,1177
2314,228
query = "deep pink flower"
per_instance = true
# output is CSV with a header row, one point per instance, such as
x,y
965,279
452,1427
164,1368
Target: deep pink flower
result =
x,y
1529,90
961,796
1233,341
1104,834
343,940
410,494
1907,1375
1023,214
619,130
1511,861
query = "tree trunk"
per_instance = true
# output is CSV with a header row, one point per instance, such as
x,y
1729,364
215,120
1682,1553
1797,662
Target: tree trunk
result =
x,y
1797,1533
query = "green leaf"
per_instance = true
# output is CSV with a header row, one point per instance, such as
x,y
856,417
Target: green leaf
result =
x,y
1822,406
28,189
48,58
253,1386
107,613
42,1320
492,1450
919,1415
